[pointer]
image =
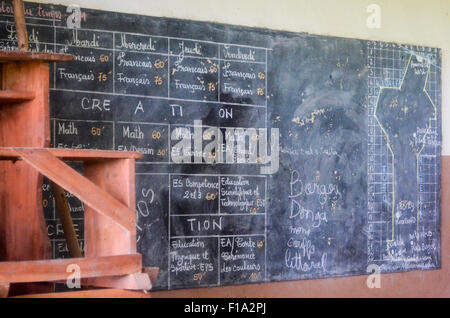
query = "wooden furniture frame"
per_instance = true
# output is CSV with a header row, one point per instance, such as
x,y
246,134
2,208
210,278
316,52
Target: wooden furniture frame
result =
x,y
106,188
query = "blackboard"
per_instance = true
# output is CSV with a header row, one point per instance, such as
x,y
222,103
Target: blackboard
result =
x,y
268,155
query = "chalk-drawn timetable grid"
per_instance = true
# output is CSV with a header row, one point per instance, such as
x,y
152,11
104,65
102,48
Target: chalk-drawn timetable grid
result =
x,y
388,64
106,108
208,224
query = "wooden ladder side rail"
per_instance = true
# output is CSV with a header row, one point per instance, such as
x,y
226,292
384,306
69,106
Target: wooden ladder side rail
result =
x,y
87,191
57,270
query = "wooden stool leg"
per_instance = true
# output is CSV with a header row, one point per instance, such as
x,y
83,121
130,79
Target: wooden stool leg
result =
x,y
103,237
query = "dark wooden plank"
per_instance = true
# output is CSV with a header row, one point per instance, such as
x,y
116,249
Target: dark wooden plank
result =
x,y
56,270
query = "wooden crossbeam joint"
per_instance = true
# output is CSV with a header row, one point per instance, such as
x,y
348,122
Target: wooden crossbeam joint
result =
x,y
57,171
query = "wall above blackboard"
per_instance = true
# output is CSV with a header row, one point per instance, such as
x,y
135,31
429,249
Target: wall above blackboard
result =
x,y
268,155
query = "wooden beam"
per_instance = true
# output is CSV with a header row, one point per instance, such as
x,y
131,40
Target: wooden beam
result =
x,y
56,270
21,26
92,195
138,281
85,155
97,293
9,96
18,56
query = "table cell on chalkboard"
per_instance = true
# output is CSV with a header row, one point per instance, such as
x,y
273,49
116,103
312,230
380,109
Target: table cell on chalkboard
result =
x,y
92,70
82,38
244,145
191,195
61,249
152,218
242,258
242,195
243,53
193,78
83,134
56,231
151,140
214,225
6,45
185,48
193,262
141,109
40,38
48,202
76,207
140,73
243,83
140,43
84,106
214,114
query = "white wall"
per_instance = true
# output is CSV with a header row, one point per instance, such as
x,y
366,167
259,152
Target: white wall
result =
x,y
406,21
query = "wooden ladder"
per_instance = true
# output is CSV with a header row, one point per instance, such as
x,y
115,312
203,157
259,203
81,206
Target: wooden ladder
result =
x,y
107,190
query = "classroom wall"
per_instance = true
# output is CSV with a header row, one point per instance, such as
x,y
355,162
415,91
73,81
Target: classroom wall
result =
x,y
406,21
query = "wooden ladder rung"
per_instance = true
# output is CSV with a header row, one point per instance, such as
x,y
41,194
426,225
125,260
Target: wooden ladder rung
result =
x,y
20,56
9,96
10,153
56,270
